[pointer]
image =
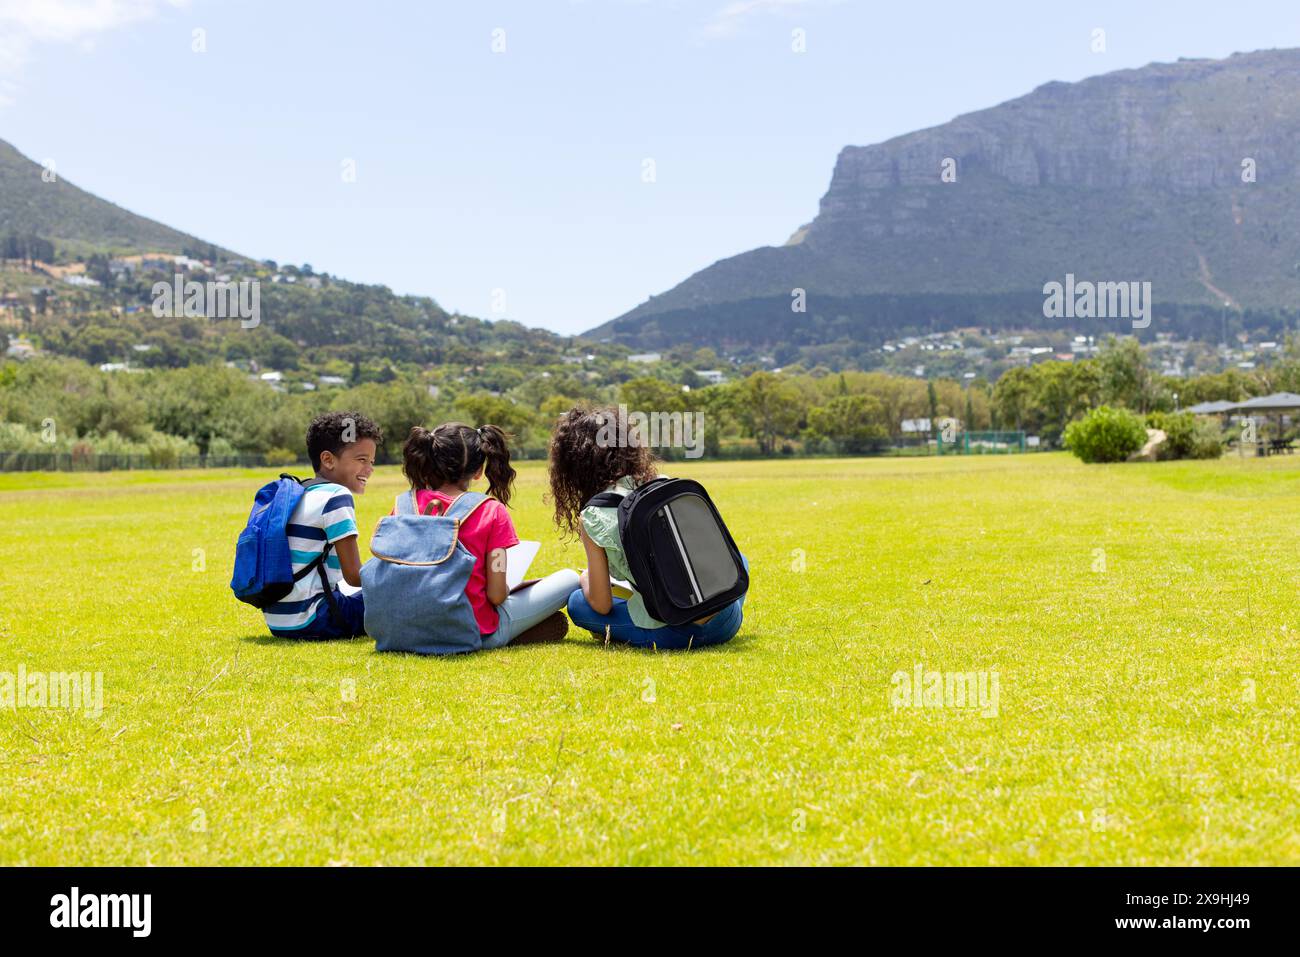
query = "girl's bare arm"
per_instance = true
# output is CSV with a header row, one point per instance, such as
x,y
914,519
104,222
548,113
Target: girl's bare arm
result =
x,y
496,576
595,579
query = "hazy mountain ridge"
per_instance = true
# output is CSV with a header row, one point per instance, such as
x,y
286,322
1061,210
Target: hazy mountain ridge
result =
x,y
77,221
1132,175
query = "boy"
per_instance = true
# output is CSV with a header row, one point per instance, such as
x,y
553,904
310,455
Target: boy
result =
x,y
342,447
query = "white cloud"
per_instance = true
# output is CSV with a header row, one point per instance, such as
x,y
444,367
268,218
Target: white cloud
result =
x,y
27,25
729,19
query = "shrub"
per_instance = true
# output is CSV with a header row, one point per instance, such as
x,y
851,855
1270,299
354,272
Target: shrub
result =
x,y
1106,435
281,457
167,451
1187,436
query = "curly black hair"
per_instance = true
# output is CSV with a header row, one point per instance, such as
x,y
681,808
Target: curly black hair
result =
x,y
335,431
581,465
454,452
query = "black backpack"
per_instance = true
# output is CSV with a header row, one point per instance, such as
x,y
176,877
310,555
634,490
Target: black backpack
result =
x,y
683,560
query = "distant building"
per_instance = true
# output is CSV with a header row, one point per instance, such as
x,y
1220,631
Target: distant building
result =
x,y
332,380
922,426
711,376
112,367
79,280
20,349
272,376
645,357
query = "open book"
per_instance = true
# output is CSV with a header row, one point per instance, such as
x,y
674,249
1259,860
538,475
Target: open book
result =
x,y
518,559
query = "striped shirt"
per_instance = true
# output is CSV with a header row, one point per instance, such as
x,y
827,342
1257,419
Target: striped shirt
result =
x,y
325,513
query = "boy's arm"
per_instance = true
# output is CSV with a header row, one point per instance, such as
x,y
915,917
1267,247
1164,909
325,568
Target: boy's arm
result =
x,y
349,559
339,520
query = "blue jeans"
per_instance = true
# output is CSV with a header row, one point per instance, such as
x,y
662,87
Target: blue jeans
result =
x,y
352,611
720,628
530,606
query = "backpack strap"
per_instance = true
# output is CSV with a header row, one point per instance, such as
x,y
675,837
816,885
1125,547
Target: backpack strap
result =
x,y
336,616
613,496
405,504
464,505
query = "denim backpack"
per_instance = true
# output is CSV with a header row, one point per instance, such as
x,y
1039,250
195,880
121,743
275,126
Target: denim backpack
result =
x,y
414,585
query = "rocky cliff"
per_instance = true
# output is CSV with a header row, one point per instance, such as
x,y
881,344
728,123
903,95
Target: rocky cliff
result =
x,y
1186,175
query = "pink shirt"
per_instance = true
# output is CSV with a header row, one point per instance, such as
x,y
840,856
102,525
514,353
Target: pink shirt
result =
x,y
487,528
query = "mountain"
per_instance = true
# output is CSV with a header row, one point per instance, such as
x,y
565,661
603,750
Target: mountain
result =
x,y
76,221
1183,174
306,321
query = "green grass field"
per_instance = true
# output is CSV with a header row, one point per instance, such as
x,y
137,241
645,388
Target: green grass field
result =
x,y
1141,621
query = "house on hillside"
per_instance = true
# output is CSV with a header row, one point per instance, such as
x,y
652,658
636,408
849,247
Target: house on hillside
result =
x,y
20,349
645,357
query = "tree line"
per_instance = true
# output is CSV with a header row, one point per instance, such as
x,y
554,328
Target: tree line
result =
x,y
59,404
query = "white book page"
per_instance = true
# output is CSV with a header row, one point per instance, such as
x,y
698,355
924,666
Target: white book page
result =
x,y
518,559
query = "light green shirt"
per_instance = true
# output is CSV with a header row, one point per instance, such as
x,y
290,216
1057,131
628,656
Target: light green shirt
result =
x,y
602,526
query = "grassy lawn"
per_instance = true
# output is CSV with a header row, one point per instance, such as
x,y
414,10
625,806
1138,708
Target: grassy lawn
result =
x,y
1141,621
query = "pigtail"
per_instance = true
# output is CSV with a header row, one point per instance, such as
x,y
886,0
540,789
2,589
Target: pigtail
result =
x,y
420,461
496,458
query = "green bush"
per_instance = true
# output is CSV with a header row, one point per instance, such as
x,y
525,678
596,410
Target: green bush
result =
x,y
1106,435
1187,437
281,457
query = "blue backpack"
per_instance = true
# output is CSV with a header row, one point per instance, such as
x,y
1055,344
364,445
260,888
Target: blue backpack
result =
x,y
263,564
415,582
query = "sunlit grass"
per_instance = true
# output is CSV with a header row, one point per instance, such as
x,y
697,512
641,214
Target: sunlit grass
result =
x,y
1141,620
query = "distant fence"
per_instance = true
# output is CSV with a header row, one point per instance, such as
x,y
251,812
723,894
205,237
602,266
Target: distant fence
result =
x,y
972,443
982,443
93,462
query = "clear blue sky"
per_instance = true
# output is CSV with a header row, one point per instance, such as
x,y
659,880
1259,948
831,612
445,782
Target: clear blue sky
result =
x,y
522,170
